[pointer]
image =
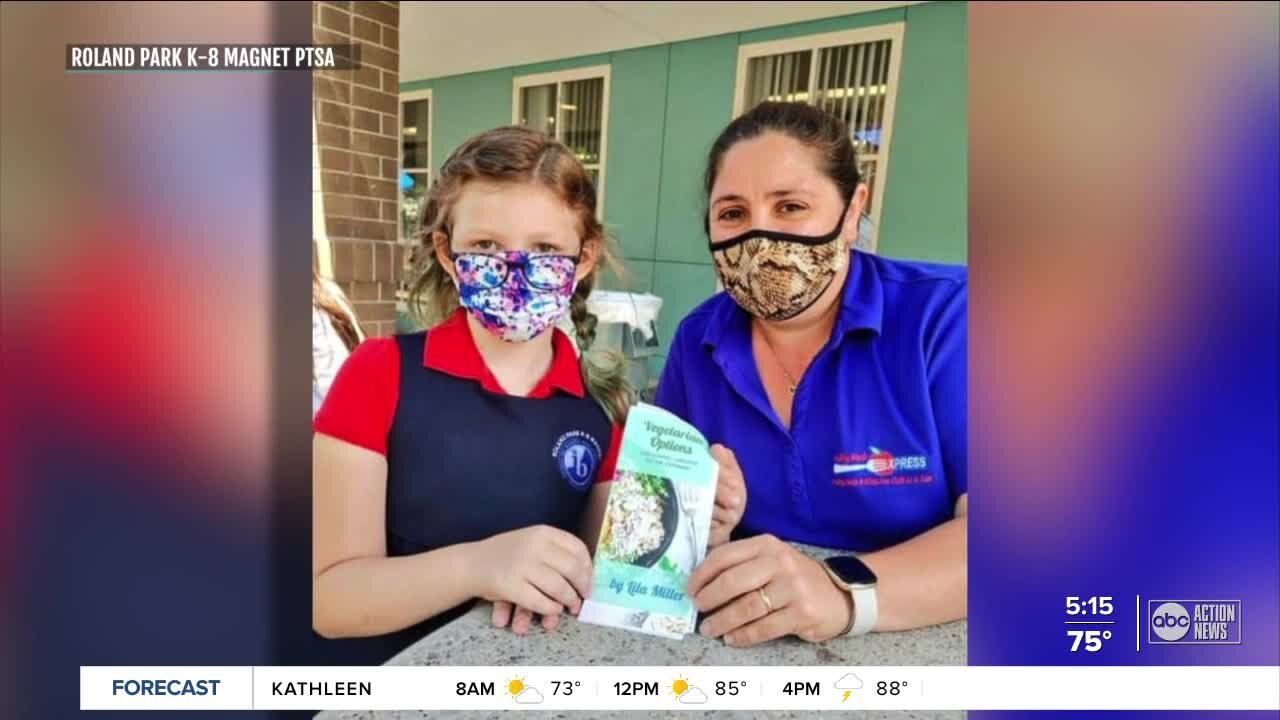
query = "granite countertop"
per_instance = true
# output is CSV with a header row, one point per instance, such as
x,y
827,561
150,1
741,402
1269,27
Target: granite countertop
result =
x,y
472,640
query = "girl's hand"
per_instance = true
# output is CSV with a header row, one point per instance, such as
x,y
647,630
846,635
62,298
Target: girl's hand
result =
x,y
731,496
541,569
520,619
802,599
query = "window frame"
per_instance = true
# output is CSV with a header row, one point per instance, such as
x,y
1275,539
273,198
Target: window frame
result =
x,y
894,32
407,97
559,77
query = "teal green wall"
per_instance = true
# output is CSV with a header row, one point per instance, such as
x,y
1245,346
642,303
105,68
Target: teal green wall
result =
x,y
636,120
668,102
699,105
462,105
926,204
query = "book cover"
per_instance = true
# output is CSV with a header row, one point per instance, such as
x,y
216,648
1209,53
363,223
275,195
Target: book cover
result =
x,y
655,526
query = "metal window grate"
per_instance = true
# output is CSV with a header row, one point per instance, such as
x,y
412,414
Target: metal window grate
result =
x,y
571,106
851,81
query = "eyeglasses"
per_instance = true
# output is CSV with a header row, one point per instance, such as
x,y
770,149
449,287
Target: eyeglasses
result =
x,y
491,270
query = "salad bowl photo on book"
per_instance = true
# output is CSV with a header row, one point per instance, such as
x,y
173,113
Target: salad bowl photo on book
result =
x,y
645,517
655,527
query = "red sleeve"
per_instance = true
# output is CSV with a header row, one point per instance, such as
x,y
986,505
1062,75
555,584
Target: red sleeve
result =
x,y
362,400
611,456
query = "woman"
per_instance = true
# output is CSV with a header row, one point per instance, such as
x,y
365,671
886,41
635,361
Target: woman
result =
x,y
838,379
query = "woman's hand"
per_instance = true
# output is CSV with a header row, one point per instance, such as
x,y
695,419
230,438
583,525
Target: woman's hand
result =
x,y
520,619
731,496
801,598
538,569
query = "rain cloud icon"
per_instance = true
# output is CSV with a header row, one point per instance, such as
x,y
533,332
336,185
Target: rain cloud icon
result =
x,y
849,681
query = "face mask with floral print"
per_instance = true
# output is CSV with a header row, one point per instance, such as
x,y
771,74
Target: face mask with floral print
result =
x,y
515,295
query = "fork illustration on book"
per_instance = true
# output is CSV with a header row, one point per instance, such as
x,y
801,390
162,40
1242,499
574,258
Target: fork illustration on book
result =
x,y
687,494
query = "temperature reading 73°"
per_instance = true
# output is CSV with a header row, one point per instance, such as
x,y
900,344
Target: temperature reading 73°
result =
x,y
564,687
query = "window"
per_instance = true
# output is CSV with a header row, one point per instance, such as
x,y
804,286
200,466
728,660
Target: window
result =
x,y
573,107
851,74
415,160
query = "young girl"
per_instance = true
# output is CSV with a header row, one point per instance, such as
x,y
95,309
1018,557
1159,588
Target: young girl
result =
x,y
460,463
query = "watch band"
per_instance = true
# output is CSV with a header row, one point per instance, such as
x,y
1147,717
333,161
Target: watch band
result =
x,y
866,609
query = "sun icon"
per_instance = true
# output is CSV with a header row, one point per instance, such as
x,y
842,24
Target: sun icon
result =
x,y
680,686
515,686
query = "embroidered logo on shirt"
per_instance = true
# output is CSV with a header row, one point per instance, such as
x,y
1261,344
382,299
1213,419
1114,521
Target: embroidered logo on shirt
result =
x,y
879,467
578,457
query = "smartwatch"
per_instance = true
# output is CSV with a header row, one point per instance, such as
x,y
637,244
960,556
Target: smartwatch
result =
x,y
854,577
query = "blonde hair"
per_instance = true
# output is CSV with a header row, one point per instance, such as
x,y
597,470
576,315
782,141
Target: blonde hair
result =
x,y
328,298
520,155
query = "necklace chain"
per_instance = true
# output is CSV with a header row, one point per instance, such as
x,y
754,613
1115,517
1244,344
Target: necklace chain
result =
x,y
791,380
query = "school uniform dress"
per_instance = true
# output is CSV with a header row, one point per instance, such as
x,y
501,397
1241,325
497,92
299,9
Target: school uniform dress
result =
x,y
466,460
877,449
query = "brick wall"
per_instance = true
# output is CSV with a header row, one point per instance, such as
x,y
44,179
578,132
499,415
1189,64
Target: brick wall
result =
x,y
357,116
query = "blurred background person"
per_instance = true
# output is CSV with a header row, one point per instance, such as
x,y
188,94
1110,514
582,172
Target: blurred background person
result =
x,y
335,332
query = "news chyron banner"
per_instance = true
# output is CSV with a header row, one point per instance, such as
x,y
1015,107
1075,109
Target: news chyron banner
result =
x,y
208,58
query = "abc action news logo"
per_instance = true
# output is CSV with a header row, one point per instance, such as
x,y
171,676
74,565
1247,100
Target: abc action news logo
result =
x,y
1193,622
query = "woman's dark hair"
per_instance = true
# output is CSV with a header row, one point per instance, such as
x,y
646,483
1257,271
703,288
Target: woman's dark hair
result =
x,y
805,123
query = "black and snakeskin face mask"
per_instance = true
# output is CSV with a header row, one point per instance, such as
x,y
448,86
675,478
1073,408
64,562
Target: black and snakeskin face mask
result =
x,y
775,275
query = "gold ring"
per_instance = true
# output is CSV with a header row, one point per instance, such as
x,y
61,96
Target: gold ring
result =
x,y
767,603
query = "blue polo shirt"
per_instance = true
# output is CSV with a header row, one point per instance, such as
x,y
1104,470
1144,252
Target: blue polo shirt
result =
x,y
877,449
